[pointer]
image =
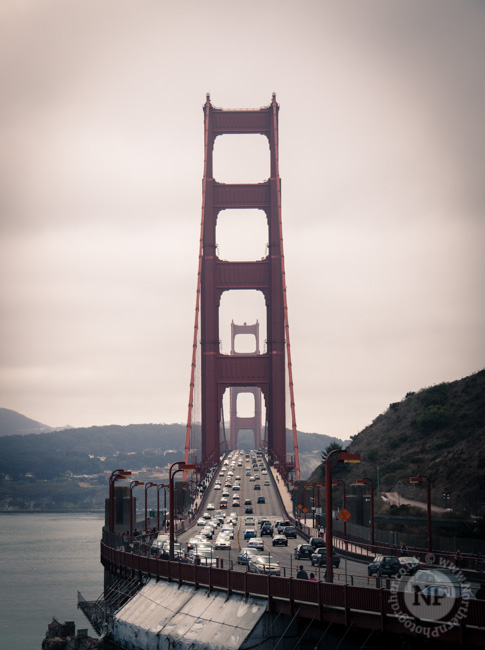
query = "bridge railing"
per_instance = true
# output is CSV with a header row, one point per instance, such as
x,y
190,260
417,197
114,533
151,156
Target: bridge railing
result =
x,y
313,597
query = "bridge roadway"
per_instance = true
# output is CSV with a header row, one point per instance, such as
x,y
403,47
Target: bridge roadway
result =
x,y
273,510
348,606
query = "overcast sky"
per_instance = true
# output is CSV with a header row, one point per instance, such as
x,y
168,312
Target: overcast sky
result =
x,y
382,138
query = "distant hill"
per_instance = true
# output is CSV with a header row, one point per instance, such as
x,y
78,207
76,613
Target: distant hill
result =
x,y
439,432
15,424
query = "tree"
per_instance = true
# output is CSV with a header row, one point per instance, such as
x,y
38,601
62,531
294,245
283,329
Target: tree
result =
x,y
331,447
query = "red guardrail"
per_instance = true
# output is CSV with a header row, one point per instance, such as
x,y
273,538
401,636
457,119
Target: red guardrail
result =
x,y
362,600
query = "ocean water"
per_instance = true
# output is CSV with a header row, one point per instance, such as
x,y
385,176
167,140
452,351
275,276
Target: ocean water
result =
x,y
45,560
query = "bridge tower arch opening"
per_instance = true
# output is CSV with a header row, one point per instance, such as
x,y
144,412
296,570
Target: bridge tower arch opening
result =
x,y
261,373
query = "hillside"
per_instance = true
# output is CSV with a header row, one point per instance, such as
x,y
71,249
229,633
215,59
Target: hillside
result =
x,y
438,432
15,424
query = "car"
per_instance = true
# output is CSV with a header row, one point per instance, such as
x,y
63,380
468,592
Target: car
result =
x,y
210,506
319,558
248,473
261,499
257,486
266,483
304,551
248,510
280,540
424,578
249,521
289,531
201,522
248,502
236,487
249,532
203,556
246,554
279,525
264,564
316,542
448,591
236,504
256,476
217,486
225,493
192,543
229,530
409,565
222,542
384,565
206,515
266,529
208,532
263,520
256,542
251,478
223,504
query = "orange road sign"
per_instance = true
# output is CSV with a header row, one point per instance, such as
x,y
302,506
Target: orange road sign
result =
x,y
299,506
305,509
344,515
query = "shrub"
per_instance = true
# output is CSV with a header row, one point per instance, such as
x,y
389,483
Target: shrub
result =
x,y
436,395
434,417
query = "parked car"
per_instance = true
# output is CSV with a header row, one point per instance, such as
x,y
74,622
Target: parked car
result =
x,y
280,540
304,551
384,565
289,531
409,565
319,558
264,564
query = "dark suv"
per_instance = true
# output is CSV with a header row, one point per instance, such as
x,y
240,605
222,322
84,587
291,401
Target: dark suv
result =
x,y
303,551
266,529
289,531
316,542
384,565
319,557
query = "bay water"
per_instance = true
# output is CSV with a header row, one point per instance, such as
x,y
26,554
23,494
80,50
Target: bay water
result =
x,y
45,560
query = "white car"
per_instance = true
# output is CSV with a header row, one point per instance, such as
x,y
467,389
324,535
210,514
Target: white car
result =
x,y
211,506
249,521
217,486
256,542
201,522
222,543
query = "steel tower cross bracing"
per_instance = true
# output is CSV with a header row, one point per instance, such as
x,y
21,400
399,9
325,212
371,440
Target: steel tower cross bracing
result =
x,y
238,423
265,371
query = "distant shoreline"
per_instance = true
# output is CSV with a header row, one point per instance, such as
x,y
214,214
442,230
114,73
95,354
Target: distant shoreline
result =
x,y
47,512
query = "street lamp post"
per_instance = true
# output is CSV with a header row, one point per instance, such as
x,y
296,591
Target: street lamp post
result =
x,y
425,479
180,467
334,457
159,487
132,485
369,481
117,475
147,485
341,482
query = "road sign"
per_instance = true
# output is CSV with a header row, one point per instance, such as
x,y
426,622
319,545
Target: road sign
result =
x,y
344,515
299,506
305,509
318,511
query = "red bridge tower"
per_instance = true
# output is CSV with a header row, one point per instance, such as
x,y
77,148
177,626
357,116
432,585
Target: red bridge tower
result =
x,y
264,371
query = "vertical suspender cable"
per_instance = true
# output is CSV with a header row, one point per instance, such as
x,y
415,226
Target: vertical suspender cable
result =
x,y
197,300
